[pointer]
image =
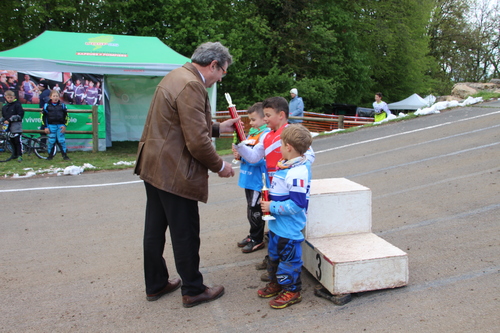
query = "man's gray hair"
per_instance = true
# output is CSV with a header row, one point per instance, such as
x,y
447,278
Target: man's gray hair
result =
x,y
208,52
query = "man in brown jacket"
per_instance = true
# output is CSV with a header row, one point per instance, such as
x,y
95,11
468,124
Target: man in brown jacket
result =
x,y
174,156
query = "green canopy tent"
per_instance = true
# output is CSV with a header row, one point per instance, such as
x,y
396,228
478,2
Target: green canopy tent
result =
x,y
132,66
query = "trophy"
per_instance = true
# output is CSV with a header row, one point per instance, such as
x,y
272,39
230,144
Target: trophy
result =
x,y
240,133
265,197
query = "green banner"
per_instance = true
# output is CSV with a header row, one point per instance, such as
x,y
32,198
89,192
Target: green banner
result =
x,y
77,121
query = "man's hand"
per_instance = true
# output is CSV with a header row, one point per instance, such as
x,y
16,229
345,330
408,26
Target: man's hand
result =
x,y
228,125
46,130
227,171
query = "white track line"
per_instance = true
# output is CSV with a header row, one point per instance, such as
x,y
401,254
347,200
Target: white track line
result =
x,y
408,132
69,186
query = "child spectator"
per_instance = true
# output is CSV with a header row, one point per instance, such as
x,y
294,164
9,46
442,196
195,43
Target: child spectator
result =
x,y
251,180
55,119
269,146
12,115
289,197
381,109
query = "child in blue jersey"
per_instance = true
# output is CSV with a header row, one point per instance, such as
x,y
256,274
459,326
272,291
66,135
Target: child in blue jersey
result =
x,y
251,180
55,119
289,197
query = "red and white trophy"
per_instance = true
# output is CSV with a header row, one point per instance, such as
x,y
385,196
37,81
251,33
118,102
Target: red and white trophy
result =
x,y
240,132
265,197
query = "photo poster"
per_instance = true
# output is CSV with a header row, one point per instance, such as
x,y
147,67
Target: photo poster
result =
x,y
78,91
75,88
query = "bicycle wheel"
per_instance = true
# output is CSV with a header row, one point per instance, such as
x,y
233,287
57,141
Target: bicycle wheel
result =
x,y
39,146
6,145
5,150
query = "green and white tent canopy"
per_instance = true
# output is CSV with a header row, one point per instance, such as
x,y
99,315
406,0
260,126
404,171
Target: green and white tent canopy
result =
x,y
55,51
131,67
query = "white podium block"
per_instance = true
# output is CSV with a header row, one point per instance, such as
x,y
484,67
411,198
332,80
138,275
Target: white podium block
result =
x,y
338,206
340,250
355,263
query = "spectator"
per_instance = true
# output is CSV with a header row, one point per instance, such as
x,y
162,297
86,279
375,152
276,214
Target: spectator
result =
x,y
381,109
296,106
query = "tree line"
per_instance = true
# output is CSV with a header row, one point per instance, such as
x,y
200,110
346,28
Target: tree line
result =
x,y
340,51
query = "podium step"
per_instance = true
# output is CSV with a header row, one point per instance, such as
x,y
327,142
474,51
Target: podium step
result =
x,y
354,263
338,206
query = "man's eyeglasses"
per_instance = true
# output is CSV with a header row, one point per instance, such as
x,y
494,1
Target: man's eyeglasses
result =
x,y
224,72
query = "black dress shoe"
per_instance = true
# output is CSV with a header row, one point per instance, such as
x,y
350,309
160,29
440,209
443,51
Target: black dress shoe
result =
x,y
171,286
208,295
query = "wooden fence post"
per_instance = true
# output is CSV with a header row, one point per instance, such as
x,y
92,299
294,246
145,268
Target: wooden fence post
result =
x,y
341,121
95,130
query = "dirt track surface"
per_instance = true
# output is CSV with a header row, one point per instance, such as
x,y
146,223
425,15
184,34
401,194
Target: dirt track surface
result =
x,y
71,246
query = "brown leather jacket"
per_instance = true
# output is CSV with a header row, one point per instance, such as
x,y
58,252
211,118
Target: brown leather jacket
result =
x,y
176,149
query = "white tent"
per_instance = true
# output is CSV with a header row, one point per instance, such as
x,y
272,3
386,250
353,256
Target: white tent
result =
x,y
413,102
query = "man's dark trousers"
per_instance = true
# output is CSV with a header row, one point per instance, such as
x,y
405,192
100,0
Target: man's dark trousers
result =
x,y
166,210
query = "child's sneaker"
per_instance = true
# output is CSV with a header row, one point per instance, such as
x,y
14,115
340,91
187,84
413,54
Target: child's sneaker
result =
x,y
244,241
271,289
252,246
19,159
265,277
263,264
285,298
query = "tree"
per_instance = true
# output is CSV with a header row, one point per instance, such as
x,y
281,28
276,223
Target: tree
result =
x,y
24,20
394,35
464,41
310,45
485,22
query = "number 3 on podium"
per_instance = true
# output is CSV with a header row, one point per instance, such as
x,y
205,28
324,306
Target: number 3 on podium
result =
x,y
318,271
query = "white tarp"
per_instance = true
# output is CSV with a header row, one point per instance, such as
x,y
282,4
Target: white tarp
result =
x,y
430,99
413,102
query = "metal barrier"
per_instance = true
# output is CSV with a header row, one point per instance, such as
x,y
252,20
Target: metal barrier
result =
x,y
314,122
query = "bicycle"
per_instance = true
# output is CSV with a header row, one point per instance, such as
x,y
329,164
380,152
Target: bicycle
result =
x,y
30,144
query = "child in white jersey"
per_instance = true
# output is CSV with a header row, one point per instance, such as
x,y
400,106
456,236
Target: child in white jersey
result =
x,y
276,117
289,197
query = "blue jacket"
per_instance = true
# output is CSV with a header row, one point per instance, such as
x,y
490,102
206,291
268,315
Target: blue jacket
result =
x,y
251,173
296,109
